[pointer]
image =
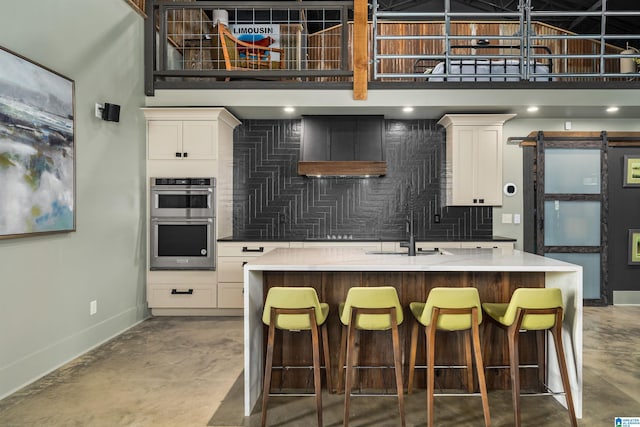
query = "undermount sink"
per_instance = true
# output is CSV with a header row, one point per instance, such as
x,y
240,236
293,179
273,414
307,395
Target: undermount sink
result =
x,y
433,252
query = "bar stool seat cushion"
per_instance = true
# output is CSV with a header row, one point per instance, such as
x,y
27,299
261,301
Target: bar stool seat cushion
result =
x,y
505,313
292,297
449,298
378,297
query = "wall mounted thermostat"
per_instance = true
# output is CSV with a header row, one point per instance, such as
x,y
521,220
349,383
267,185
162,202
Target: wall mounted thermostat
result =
x,y
510,189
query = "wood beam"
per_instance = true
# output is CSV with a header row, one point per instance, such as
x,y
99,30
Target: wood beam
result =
x,y
360,49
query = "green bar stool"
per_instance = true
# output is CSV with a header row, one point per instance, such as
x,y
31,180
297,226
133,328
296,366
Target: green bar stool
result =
x,y
296,309
449,309
369,309
532,309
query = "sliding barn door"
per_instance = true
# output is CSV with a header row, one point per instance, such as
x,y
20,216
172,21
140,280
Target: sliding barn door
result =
x,y
570,205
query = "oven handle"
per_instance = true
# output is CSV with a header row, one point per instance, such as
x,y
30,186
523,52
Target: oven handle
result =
x,y
182,220
183,191
246,249
177,292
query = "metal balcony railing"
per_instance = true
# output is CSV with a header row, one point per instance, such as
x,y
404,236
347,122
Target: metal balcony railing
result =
x,y
210,41
499,46
204,44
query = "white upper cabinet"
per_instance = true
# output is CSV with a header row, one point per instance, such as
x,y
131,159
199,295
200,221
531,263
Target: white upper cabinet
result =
x,y
473,171
172,139
186,133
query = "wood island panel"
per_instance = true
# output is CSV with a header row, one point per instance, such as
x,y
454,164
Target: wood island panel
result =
x,y
294,349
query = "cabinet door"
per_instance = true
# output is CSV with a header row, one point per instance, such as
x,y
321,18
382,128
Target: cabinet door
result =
x,y
477,166
488,171
198,140
231,269
230,295
463,165
164,139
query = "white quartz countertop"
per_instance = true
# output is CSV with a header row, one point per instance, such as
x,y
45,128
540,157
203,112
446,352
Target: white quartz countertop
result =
x,y
349,259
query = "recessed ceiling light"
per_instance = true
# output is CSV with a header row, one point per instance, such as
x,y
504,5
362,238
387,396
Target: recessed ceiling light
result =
x,y
612,109
289,109
532,109
407,109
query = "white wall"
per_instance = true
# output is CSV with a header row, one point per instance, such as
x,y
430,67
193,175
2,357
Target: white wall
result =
x,y
512,158
47,282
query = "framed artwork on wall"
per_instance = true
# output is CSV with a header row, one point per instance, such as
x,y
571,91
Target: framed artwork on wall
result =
x,y
631,175
37,149
634,247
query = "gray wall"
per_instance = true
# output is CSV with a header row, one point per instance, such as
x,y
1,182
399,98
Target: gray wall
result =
x,y
47,282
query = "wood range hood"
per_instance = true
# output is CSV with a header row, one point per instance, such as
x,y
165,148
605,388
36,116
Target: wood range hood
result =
x,y
342,146
347,168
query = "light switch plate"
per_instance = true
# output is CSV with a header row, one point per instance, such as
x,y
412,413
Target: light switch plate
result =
x,y
516,218
507,218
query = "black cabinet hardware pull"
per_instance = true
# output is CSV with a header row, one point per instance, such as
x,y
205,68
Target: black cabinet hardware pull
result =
x,y
177,292
475,200
246,249
185,154
481,200
178,154
244,263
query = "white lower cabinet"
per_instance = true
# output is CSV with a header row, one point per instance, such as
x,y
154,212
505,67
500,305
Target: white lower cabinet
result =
x,y
430,246
231,295
232,256
181,295
173,289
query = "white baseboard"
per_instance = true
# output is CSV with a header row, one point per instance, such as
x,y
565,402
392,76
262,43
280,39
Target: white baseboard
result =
x,y
626,297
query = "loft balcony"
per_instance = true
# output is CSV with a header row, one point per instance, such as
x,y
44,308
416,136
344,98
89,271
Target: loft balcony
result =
x,y
312,44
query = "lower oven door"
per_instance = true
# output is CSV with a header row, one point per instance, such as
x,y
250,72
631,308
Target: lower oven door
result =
x,y
182,244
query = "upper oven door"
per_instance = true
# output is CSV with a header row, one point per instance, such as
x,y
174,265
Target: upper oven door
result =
x,y
182,203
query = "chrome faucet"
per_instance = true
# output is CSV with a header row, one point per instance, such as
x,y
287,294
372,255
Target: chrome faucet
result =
x,y
411,244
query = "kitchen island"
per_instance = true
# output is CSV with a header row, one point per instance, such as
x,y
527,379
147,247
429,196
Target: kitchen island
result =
x,y
496,273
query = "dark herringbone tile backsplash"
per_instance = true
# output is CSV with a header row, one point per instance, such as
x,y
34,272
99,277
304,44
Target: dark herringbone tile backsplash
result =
x,y
272,202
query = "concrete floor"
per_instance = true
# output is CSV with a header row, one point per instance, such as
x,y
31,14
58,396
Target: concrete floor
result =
x,y
171,371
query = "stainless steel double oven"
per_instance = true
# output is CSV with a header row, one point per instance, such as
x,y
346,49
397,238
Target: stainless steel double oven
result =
x,y
183,224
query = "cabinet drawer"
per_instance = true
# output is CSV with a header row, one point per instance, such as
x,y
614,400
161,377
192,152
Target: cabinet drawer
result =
x,y
248,249
230,295
231,268
430,246
364,246
182,296
487,245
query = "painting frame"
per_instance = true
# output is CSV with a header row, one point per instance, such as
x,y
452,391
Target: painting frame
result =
x,y
634,246
37,149
631,174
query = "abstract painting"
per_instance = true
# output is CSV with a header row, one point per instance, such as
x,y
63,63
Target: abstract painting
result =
x,y
37,148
